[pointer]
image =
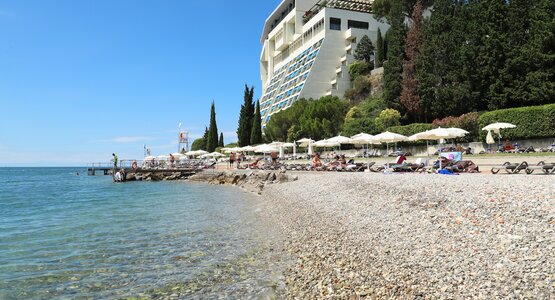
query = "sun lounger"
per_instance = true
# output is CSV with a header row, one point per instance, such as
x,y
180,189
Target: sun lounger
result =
x,y
547,168
463,166
510,168
408,167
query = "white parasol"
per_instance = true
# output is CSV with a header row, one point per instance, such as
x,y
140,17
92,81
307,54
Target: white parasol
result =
x,y
213,154
304,142
389,137
340,139
496,128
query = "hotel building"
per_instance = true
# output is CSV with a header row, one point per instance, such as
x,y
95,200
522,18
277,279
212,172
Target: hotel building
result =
x,y
307,47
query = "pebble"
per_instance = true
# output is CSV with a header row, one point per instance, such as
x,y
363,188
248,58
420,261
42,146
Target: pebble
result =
x,y
406,236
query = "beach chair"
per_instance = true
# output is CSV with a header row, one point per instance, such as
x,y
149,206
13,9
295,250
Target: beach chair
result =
x,y
510,168
547,168
463,166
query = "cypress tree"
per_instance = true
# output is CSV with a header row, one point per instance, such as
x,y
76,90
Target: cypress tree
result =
x,y
256,133
245,118
212,139
380,56
221,142
393,67
205,138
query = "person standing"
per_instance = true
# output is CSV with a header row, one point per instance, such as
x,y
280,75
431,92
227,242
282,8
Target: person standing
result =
x,y
231,159
274,156
115,160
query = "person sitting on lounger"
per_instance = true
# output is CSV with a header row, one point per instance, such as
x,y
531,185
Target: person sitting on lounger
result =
x,y
316,162
508,146
400,159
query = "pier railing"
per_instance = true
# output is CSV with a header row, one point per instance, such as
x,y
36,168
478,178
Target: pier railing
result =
x,y
154,165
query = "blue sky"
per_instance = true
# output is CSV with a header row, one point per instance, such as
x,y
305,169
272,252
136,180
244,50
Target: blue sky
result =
x,y
82,79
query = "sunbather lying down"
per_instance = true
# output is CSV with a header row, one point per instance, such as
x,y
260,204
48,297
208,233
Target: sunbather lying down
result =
x,y
463,166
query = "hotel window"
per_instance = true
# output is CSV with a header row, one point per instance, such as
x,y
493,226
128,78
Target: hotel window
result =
x,y
357,24
335,24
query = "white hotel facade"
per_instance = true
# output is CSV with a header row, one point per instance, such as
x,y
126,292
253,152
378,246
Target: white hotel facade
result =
x,y
307,47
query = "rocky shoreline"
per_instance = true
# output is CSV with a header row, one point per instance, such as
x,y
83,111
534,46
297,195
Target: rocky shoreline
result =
x,y
253,181
416,236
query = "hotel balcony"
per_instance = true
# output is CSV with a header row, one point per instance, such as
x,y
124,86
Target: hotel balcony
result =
x,y
352,33
346,59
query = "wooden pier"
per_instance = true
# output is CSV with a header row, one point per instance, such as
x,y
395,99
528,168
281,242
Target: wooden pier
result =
x,y
109,169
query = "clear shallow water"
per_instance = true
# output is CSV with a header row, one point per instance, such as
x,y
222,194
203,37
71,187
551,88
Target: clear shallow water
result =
x,y
67,236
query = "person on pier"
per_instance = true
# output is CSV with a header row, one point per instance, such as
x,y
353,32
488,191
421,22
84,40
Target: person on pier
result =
x,y
115,160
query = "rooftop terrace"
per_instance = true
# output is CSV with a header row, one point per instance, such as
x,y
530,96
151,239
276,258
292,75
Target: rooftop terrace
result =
x,y
364,6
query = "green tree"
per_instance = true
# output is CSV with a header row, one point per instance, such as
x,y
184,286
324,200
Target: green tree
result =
x,y
380,49
256,133
528,77
393,67
443,87
245,118
198,144
212,138
383,8
387,118
221,141
365,51
280,123
361,118
322,118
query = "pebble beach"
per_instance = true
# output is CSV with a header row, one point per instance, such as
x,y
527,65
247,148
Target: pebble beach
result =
x,y
415,236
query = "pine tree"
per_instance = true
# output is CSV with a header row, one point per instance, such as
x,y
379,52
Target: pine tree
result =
x,y
442,85
245,118
256,133
489,43
393,66
413,41
380,55
529,73
221,142
212,139
365,51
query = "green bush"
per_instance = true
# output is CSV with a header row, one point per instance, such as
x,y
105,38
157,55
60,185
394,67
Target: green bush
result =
x,y
410,129
387,118
358,68
531,122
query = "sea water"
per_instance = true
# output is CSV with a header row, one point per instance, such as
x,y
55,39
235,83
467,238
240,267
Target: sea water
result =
x,y
65,236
